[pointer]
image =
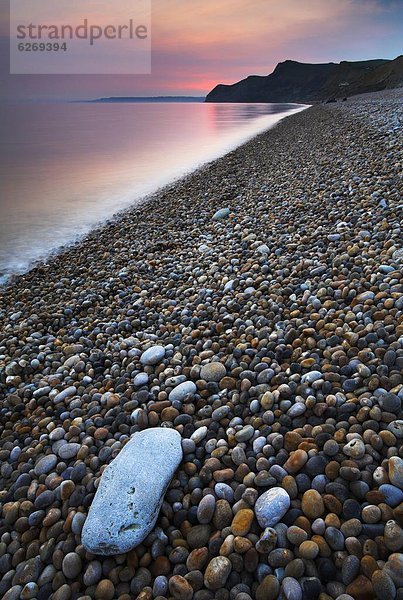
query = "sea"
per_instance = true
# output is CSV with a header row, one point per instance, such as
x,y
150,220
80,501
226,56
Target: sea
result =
x,y
67,167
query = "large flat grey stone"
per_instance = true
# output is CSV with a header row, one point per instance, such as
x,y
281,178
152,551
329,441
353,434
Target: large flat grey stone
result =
x,y
130,493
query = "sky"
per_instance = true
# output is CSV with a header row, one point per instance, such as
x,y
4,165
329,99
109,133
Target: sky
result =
x,y
197,44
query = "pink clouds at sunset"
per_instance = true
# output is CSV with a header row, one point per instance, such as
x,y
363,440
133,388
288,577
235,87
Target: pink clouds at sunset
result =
x,y
198,43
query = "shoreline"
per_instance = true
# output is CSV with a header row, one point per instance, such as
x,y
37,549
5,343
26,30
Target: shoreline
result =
x,y
7,277
276,329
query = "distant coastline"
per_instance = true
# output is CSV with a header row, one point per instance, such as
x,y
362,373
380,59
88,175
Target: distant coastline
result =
x,y
129,99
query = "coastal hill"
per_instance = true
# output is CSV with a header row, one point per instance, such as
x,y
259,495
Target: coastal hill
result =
x,y
292,81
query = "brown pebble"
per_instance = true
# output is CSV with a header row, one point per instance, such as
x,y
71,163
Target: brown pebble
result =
x,y
312,504
242,522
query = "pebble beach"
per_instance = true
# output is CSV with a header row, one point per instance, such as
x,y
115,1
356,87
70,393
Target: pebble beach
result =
x,y
254,307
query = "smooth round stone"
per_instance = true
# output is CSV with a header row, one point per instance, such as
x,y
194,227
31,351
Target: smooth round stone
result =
x,y
350,569
217,572
291,589
223,490
205,510
355,448
319,483
71,565
152,356
296,535
311,588
351,509
30,590
180,588
188,446
220,413
57,434
245,434
14,454
160,586
396,427
78,523
268,589
393,536
213,372
199,435
105,590
318,526
140,379
391,403
383,585
296,410
45,464
271,506
312,504
222,213
14,593
395,471
394,568
371,514
309,550
242,522
238,455
316,465
331,448
311,377
131,491
46,498
93,573
68,451
181,391
393,495
296,461
36,517
334,538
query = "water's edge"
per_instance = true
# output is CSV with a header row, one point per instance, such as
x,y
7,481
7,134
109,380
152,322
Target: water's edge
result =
x,y
8,279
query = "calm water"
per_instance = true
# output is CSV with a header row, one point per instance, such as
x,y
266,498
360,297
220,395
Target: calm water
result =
x,y
66,167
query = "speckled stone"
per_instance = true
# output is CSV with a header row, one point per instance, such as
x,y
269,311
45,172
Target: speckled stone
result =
x,y
213,372
182,390
395,471
45,464
152,356
220,214
130,494
312,504
271,506
217,572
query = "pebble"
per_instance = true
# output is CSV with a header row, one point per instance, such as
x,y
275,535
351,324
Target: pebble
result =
x,y
393,495
68,451
312,504
121,514
206,508
181,391
213,372
217,572
71,565
383,585
271,506
45,465
152,356
242,522
395,471
291,589
355,449
222,213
